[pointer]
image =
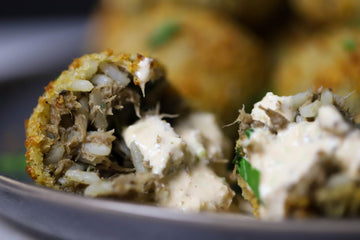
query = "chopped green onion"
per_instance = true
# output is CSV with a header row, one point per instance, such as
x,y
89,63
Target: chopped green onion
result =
x,y
163,34
247,172
203,153
349,44
90,168
103,105
248,132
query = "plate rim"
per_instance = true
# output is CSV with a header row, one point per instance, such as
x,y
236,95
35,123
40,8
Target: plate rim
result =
x,y
225,221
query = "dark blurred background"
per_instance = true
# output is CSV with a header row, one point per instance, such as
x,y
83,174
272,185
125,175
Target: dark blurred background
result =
x,y
38,39
45,8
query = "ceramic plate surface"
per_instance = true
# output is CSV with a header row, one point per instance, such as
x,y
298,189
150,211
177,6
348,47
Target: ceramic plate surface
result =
x,y
67,216
70,216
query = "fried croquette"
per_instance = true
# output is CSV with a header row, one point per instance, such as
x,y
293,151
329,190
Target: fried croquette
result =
x,y
329,58
214,63
298,156
100,130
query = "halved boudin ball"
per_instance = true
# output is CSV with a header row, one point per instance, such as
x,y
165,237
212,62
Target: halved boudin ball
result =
x,y
299,156
109,127
214,63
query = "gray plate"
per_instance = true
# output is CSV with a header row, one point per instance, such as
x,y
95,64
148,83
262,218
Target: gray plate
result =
x,y
68,216
74,217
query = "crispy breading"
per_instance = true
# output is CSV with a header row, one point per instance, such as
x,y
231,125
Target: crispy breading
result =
x,y
329,58
38,143
213,62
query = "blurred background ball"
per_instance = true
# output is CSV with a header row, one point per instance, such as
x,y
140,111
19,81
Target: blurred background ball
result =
x,y
212,60
328,58
327,11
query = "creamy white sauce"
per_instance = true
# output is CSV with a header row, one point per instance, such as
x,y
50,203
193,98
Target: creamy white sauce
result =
x,y
331,120
179,161
157,141
286,158
287,106
143,73
195,142
203,136
197,189
349,154
192,185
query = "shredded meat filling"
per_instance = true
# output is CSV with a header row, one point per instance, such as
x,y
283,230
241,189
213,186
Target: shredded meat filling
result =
x,y
84,132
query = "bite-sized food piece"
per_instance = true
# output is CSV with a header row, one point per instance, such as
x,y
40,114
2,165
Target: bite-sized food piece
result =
x,y
299,156
325,11
98,131
325,59
214,63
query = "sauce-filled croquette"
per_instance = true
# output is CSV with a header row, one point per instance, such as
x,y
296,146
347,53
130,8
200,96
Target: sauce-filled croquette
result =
x,y
109,126
299,156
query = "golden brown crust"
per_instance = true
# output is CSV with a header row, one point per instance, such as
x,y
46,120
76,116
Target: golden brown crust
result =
x,y
213,62
37,142
248,195
327,59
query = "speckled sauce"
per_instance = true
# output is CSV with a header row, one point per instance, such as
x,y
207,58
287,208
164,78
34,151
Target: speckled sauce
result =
x,y
287,156
160,146
104,138
181,160
197,189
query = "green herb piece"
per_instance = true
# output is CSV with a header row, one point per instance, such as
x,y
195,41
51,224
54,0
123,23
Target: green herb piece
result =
x,y
90,168
199,155
349,44
103,105
248,173
163,34
248,132
13,164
